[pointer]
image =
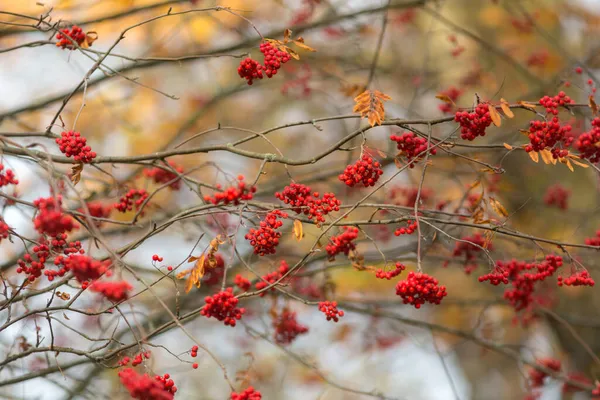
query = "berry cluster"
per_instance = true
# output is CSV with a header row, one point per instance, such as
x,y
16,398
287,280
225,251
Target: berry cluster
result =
x,y
453,94
366,171
302,200
537,377
133,197
580,278
342,243
72,144
50,219
232,194
553,103
250,69
248,394
549,134
593,241
75,33
329,308
223,307
473,124
523,277
241,282
287,327
470,247
7,177
588,143
411,227
381,274
4,230
33,265
97,210
407,196
194,351
419,288
265,239
272,277
137,360
113,291
557,196
157,258
163,175
85,268
412,147
143,387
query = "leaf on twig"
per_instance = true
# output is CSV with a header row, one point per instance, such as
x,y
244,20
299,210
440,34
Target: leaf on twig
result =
x,y
527,105
506,108
297,230
90,37
568,163
507,146
574,159
300,43
76,171
495,115
370,104
534,156
445,98
498,207
593,105
287,34
546,156
203,262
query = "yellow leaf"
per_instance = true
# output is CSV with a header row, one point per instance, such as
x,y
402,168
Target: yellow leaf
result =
x,y
582,165
546,156
370,104
90,37
524,132
527,105
568,162
292,53
534,156
300,43
495,115
508,146
498,208
593,105
445,98
286,35
506,108
196,274
298,234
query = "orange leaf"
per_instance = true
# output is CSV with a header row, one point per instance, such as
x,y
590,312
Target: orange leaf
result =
x,y
300,43
568,162
582,165
506,108
495,115
76,171
498,208
90,37
546,156
534,156
527,105
370,104
292,53
196,274
508,146
445,98
593,105
297,231
286,35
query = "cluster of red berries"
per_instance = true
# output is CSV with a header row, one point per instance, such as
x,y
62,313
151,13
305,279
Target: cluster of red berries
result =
x,y
85,268
223,307
287,327
473,124
265,239
133,197
558,196
248,394
214,274
137,360
407,196
381,274
470,247
4,230
329,308
411,227
157,258
163,175
453,94
302,200
593,241
342,243
523,277
97,210
412,147
241,282
366,171
232,194
7,177
113,291
419,288
72,144
194,351
543,134
34,266
75,33
272,277
250,69
143,387
537,377
553,103
580,278
50,219
588,143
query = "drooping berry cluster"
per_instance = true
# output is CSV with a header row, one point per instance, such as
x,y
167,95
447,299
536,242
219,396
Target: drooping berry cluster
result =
x,y
163,175
250,70
470,247
75,33
407,196
473,124
287,327
550,134
241,282
273,59
580,278
419,288
453,94
113,291
381,274
537,377
133,197
7,177
553,103
342,243
593,241
143,387
233,194
557,196
72,144
523,277
223,307
248,394
412,147
272,277
366,171
588,143
265,239
50,219
302,200
329,308
4,230
137,360
33,265
410,228
85,268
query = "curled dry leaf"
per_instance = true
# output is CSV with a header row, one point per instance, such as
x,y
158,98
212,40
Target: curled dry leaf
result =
x,y
76,171
445,98
90,37
498,207
593,105
300,43
287,34
297,231
495,115
506,108
370,104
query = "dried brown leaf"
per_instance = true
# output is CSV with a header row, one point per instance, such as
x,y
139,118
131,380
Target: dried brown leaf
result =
x,y
508,146
498,207
370,104
546,156
445,98
527,105
495,115
506,108
76,171
300,43
534,156
297,230
593,105
287,34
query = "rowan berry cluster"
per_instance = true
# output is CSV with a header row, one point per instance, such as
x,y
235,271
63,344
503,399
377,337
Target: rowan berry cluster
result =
x,y
265,239
550,134
85,268
411,227
557,196
588,143
157,258
553,103
214,274
302,200
407,196
113,291
4,230
194,351
75,33
72,144
50,219
273,59
412,147
7,177
250,70
233,194
419,288
470,247
241,282
366,171
137,360
223,307
143,387
248,394
329,308
580,278
163,175
381,274
593,241
453,94
33,267
272,277
473,124
537,377
133,197
342,243
287,327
